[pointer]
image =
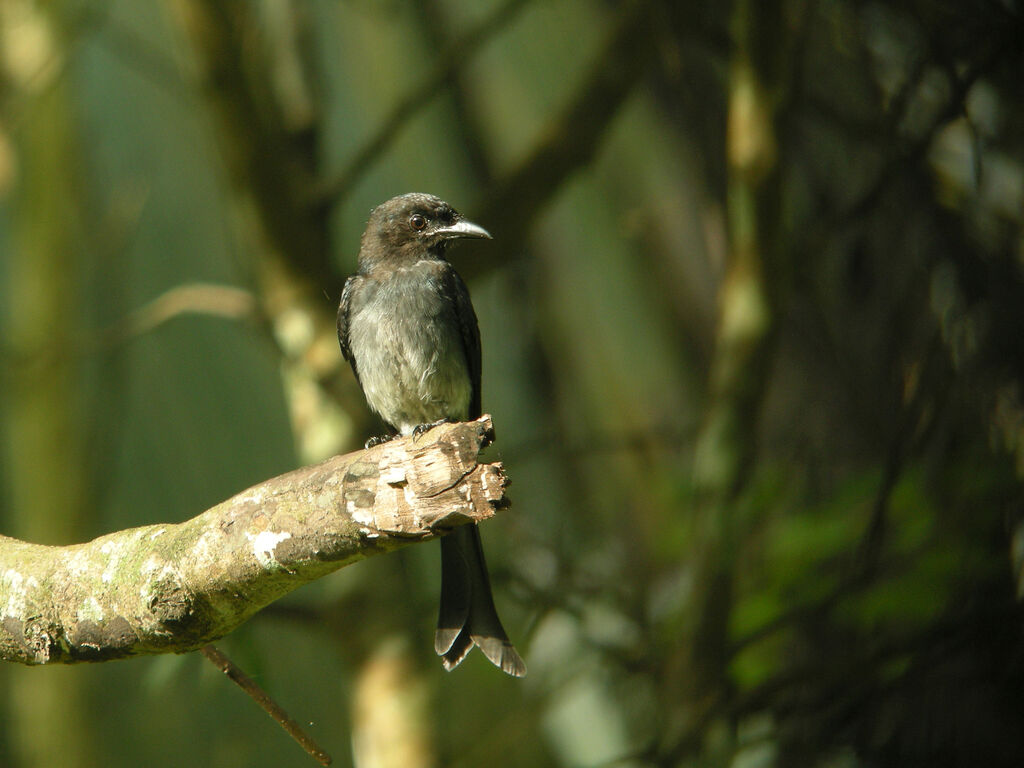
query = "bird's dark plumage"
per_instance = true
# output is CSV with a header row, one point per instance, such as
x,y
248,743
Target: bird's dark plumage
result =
x,y
407,326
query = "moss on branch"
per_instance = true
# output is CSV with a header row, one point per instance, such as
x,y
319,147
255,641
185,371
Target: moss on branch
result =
x,y
176,587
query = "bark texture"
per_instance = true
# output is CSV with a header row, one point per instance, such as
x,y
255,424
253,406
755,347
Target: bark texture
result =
x,y
176,587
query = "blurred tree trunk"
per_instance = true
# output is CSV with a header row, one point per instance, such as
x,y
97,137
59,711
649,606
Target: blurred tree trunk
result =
x,y
392,717
48,721
726,446
256,73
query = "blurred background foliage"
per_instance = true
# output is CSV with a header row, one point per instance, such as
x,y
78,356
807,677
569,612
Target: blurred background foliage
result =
x,y
753,326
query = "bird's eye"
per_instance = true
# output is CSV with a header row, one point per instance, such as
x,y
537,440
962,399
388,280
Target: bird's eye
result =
x,y
418,222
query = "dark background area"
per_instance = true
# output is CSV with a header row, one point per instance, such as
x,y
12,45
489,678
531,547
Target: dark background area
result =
x,y
753,332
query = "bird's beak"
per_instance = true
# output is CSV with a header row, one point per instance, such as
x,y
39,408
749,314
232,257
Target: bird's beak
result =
x,y
463,228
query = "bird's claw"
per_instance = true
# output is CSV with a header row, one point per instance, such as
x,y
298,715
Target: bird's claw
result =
x,y
378,440
419,429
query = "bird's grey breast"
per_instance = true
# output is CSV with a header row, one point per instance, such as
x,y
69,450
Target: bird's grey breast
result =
x,y
405,338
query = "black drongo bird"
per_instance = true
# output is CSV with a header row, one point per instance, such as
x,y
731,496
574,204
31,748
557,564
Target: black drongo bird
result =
x,y
408,328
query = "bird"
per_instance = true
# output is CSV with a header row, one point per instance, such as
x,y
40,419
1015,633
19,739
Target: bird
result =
x,y
407,327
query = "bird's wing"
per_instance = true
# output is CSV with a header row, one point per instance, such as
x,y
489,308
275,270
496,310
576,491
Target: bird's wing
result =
x,y
457,293
343,315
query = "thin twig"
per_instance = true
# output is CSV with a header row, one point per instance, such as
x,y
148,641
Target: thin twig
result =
x,y
271,707
194,298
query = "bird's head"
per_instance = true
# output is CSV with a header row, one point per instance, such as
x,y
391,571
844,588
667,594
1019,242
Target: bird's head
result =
x,y
411,227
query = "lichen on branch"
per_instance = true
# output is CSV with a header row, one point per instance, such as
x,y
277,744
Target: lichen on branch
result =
x,y
176,587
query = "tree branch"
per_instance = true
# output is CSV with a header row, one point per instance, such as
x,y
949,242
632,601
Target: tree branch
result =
x,y
570,140
267,704
175,588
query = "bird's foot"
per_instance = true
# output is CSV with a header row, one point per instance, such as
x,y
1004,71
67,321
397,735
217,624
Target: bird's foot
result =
x,y
419,429
378,440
